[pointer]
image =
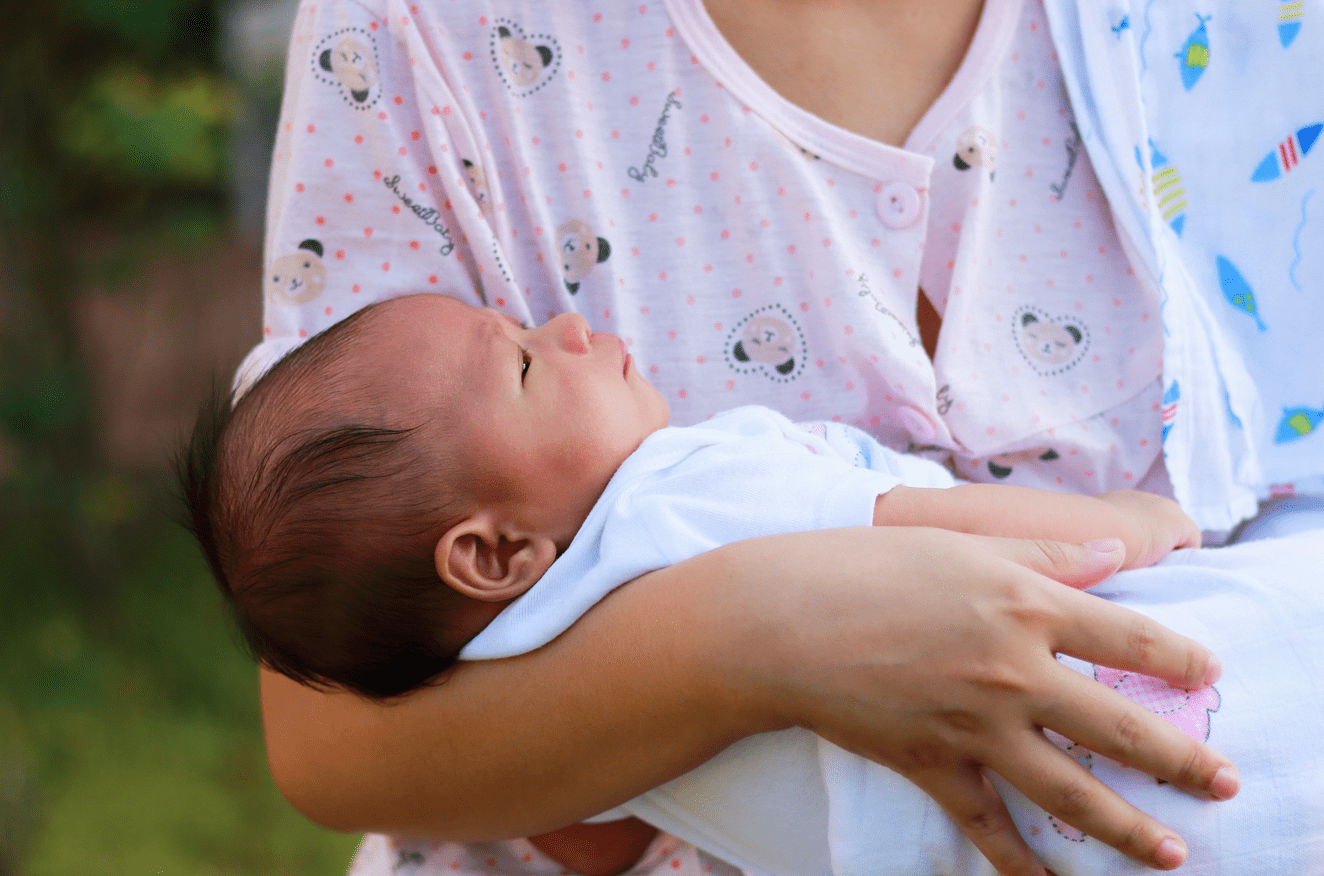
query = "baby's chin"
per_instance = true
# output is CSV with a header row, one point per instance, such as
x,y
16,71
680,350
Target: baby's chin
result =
x,y
661,414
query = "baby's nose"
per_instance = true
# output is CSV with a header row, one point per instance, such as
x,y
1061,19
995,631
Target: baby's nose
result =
x,y
571,332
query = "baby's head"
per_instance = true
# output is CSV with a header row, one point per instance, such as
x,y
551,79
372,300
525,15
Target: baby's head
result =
x,y
378,496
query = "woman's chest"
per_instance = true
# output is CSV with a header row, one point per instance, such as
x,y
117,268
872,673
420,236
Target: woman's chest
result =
x,y
748,251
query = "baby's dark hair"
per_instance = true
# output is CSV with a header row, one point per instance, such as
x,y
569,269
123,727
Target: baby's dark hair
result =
x,y
319,509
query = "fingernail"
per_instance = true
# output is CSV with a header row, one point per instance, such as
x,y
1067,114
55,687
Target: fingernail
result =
x,y
1226,783
1171,852
1105,545
1214,671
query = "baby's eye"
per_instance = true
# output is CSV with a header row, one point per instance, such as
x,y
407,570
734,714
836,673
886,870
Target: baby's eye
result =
x,y
525,359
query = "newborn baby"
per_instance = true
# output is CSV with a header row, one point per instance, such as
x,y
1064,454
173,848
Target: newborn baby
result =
x,y
398,485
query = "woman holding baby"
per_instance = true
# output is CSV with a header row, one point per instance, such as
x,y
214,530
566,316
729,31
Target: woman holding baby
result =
x,y
950,224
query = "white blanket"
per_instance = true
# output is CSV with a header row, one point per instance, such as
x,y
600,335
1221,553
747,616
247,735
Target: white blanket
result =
x,y
793,805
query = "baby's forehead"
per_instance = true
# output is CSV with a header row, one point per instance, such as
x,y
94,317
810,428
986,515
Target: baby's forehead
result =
x,y
419,333
441,316
427,307
396,319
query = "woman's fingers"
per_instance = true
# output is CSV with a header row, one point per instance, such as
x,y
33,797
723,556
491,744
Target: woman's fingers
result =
x,y
952,661
1107,634
1054,780
1069,621
1106,722
975,805
1099,631
1112,635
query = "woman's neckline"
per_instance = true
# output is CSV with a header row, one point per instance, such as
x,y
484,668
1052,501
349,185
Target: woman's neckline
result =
x,y
989,43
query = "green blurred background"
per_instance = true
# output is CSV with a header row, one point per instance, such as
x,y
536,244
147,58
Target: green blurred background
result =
x,y
134,137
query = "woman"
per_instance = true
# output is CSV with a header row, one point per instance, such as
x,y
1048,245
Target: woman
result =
x,y
754,194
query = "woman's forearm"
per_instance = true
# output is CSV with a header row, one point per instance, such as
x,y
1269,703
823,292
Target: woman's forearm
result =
x,y
528,744
931,652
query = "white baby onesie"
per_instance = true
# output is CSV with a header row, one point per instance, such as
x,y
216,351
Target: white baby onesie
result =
x,y
792,804
746,473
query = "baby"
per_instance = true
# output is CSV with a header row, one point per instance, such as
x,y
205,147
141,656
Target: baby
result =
x,y
422,441
389,494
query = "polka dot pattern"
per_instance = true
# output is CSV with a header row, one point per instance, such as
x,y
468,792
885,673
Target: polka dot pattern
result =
x,y
731,222
380,855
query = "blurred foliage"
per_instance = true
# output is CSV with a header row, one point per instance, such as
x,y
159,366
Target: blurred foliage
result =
x,y
129,731
113,116
111,109
129,124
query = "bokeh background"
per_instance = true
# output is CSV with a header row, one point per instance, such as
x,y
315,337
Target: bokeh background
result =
x,y
134,140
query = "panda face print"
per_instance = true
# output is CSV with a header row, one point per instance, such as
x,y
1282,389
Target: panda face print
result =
x,y
347,59
579,251
1050,345
297,277
768,341
353,65
976,147
524,61
1002,465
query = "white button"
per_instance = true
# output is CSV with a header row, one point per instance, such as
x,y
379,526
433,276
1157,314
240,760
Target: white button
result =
x,y
917,422
898,205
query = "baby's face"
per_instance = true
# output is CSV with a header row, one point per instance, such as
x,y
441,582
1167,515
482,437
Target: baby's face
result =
x,y
544,416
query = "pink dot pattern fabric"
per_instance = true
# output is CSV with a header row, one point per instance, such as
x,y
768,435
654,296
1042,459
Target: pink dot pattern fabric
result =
x,y
380,855
628,165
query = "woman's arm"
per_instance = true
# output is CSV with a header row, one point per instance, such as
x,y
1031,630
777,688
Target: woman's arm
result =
x,y
1149,526
938,665
519,746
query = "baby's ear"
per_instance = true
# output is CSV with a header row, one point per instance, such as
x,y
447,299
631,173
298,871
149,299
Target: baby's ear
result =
x,y
485,560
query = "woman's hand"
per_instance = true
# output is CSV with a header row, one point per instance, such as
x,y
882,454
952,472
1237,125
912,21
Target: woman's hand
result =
x,y
943,680
929,651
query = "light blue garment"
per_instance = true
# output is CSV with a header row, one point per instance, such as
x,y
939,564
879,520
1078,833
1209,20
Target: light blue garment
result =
x,y
1203,122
